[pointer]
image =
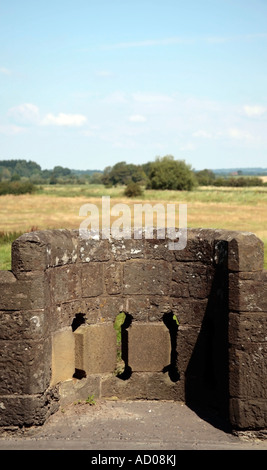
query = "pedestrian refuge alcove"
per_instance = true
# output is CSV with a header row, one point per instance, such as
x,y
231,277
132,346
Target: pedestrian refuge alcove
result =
x,y
195,324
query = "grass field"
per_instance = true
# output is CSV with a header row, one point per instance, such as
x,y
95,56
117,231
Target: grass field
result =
x,y
57,206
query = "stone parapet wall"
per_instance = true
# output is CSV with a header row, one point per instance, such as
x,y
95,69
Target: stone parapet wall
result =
x,y
59,303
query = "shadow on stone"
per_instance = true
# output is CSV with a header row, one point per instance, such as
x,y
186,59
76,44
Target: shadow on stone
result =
x,y
78,320
126,374
172,325
207,375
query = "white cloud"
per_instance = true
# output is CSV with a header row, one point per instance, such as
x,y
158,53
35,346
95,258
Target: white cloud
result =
x,y
68,120
118,97
151,98
184,40
26,113
11,130
5,71
150,42
137,118
239,134
202,134
103,73
254,110
187,147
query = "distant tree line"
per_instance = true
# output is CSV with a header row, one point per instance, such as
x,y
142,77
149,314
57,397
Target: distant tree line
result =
x,y
208,178
164,173
22,170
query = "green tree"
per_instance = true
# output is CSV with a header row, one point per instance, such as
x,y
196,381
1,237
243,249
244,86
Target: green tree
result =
x,y
205,177
123,173
168,173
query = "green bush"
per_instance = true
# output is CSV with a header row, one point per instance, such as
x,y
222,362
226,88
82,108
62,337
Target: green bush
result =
x,y
167,173
16,187
133,190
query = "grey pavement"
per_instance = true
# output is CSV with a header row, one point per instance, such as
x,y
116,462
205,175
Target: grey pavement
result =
x,y
128,425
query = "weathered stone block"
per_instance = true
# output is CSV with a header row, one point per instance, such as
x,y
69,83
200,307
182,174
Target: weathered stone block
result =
x,y
92,279
245,253
62,315
94,250
141,385
29,253
104,308
28,410
190,280
248,414
133,388
147,308
65,283
187,338
96,348
147,277
158,249
25,366
158,307
199,247
247,295
38,250
113,278
248,371
25,293
149,347
63,356
23,325
74,390
62,247
161,387
189,311
126,249
247,327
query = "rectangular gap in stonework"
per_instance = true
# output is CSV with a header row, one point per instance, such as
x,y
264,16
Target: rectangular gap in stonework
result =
x,y
122,322
78,320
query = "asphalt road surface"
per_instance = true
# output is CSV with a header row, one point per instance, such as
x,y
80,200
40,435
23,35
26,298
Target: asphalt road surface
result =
x,y
128,425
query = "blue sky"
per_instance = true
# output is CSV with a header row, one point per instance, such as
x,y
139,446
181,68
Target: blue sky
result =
x,y
85,84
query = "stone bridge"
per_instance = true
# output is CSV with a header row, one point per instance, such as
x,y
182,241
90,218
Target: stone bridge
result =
x,y
194,324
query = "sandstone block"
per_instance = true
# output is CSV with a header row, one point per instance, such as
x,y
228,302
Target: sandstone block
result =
x,y
63,356
149,347
95,348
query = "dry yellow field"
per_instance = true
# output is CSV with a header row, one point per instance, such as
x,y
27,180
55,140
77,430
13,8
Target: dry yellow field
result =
x,y
22,213
233,210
